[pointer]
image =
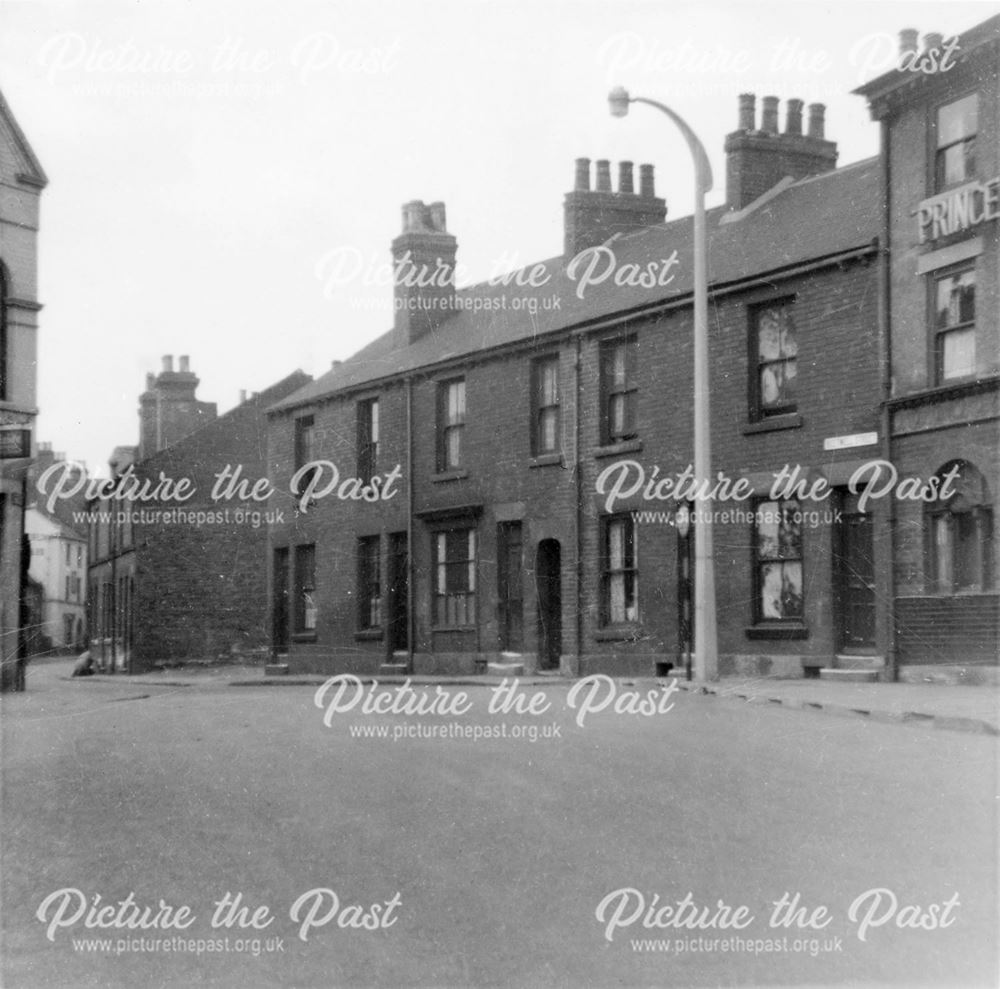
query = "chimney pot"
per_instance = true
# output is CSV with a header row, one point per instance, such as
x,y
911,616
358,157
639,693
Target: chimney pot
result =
x,y
582,182
816,122
168,363
769,115
185,364
907,40
793,117
413,216
933,40
647,185
603,175
747,111
625,178
243,395
150,381
437,217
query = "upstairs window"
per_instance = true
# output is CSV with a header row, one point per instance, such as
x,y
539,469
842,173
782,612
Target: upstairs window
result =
x,y
450,423
368,430
955,325
955,157
774,353
545,416
305,447
619,389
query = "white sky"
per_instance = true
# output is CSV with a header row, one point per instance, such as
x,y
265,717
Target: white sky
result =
x,y
205,157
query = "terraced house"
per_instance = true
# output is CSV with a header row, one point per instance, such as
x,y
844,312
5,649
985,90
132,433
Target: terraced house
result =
x,y
520,433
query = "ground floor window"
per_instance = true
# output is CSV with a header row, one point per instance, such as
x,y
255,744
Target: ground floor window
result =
x,y
619,571
305,588
369,583
454,603
960,532
777,551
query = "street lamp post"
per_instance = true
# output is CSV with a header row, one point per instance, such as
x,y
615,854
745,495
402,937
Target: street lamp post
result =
x,y
705,643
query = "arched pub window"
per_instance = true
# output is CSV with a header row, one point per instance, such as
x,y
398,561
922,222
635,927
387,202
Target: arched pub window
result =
x,y
960,534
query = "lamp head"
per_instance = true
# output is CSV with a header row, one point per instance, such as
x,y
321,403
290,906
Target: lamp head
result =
x,y
618,101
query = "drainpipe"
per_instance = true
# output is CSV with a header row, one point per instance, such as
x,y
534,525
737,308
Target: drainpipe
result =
x,y
577,468
410,616
885,356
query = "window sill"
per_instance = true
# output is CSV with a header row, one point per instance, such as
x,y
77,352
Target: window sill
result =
x,y
453,628
304,637
617,449
546,460
368,634
449,475
619,633
790,420
790,631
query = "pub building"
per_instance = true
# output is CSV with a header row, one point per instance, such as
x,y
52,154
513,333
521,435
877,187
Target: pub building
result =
x,y
940,153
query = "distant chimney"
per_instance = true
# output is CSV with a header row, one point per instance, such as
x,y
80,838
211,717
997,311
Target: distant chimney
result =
x,y
169,409
908,40
933,41
592,216
423,258
243,395
757,160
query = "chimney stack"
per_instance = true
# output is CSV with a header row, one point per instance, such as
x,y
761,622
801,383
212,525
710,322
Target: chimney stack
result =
x,y
169,409
593,216
424,272
933,41
757,160
907,40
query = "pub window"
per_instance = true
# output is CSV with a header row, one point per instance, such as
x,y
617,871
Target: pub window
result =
x,y
305,588
960,533
955,157
545,419
619,389
369,583
955,325
777,550
450,423
774,352
619,571
454,603
368,426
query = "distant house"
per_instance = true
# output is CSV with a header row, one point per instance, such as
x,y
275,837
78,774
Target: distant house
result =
x,y
59,565
173,580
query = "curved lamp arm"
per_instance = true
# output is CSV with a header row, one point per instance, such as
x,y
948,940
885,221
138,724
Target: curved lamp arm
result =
x,y
619,100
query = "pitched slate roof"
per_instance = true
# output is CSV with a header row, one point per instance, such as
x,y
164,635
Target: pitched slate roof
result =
x,y
817,217
31,169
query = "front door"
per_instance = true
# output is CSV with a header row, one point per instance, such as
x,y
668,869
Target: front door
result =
x,y
279,607
854,576
548,578
399,576
509,587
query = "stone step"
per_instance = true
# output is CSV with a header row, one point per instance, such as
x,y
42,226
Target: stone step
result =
x,y
276,669
508,669
848,676
858,662
394,669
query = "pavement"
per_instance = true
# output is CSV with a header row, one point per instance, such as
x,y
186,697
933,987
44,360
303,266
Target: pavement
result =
x,y
946,707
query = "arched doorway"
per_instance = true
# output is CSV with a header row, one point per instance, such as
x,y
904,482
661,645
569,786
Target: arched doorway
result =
x,y
548,581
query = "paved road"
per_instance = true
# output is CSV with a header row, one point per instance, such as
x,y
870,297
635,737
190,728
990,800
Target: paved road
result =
x,y
487,859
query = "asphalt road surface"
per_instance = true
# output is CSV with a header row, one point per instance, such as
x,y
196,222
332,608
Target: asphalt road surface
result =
x,y
236,839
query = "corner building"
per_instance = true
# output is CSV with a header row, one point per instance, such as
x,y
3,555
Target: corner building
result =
x,y
940,137
517,430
